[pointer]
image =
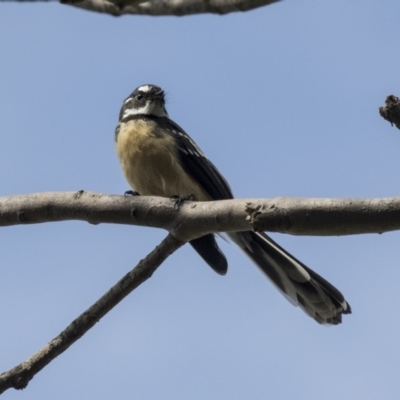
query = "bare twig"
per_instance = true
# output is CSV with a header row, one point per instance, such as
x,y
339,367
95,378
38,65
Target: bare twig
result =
x,y
167,7
19,376
391,111
319,217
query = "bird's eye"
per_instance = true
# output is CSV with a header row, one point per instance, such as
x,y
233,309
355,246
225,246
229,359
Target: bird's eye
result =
x,y
139,96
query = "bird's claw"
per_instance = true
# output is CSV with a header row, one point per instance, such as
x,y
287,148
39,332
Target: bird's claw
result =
x,y
131,193
179,200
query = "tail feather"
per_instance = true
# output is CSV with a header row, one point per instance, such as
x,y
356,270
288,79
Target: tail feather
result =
x,y
208,249
298,283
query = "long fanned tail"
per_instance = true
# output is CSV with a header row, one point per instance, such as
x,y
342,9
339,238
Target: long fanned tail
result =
x,y
299,284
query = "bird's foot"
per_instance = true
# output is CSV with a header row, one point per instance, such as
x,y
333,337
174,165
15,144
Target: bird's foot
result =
x,y
131,193
179,200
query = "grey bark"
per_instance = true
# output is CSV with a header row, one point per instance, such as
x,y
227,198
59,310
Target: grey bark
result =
x,y
318,217
168,7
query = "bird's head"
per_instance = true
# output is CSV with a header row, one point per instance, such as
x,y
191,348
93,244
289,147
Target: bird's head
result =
x,y
145,100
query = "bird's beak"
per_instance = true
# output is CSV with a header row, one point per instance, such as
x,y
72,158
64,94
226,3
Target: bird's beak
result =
x,y
159,95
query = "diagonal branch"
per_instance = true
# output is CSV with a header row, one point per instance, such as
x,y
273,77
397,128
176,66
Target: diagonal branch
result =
x,y
19,376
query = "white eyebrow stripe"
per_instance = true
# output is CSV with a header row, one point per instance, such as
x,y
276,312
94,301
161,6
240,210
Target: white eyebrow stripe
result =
x,y
144,88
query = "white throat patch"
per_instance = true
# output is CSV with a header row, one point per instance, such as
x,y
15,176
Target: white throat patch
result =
x,y
150,108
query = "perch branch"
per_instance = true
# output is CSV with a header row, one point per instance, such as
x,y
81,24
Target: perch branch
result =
x,y
318,217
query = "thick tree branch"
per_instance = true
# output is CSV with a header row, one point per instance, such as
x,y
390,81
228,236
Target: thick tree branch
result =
x,y
167,7
19,376
319,217
391,111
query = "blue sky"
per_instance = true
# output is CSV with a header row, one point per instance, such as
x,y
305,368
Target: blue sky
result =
x,y
284,100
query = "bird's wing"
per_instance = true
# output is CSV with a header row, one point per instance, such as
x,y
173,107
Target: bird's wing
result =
x,y
197,165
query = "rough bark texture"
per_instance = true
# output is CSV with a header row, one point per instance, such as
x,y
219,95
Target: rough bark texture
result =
x,y
167,7
318,217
